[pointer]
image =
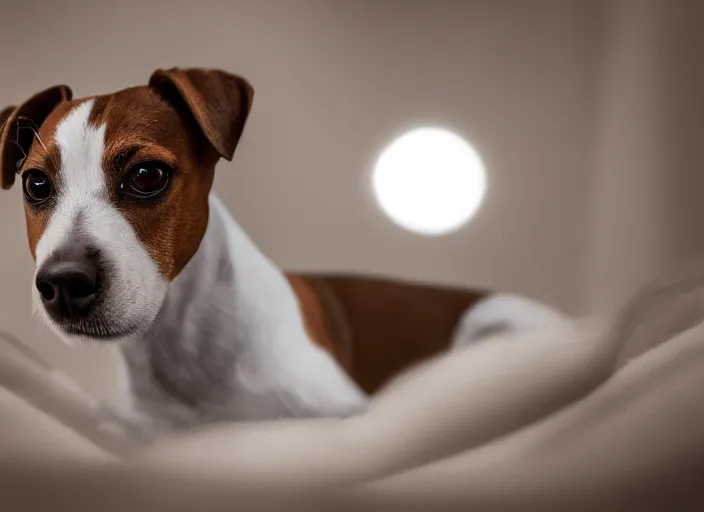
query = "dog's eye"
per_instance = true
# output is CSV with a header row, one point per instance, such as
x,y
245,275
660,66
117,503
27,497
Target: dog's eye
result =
x,y
36,185
146,181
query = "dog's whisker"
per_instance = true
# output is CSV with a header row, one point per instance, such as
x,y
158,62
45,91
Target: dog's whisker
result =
x,y
21,161
35,130
24,123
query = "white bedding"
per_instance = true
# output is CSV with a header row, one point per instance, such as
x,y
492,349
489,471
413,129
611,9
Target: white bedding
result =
x,y
546,420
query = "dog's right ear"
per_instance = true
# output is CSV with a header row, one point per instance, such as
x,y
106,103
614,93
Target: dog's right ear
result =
x,y
18,125
219,101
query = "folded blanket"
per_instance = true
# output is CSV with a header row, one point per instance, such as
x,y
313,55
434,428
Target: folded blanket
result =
x,y
545,420
667,306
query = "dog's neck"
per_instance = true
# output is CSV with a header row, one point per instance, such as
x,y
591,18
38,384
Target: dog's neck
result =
x,y
229,301
228,277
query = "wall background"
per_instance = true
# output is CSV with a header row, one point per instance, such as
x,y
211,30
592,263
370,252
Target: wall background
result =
x,y
587,115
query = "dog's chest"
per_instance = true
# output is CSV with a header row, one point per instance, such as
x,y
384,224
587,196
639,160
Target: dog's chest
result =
x,y
180,387
176,393
188,370
182,372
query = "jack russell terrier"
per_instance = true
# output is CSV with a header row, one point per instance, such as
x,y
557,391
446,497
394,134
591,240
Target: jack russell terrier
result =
x,y
131,246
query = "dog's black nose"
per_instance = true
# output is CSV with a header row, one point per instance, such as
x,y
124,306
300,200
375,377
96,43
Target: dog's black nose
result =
x,y
68,287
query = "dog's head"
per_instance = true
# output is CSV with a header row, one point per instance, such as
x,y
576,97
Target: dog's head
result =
x,y
116,192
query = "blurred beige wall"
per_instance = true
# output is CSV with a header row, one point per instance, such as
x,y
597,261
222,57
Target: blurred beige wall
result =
x,y
647,201
554,94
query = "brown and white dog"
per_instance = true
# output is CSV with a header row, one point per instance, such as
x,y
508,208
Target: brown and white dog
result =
x,y
131,246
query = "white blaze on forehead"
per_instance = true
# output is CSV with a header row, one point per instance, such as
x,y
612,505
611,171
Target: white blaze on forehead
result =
x,y
83,208
81,181
81,146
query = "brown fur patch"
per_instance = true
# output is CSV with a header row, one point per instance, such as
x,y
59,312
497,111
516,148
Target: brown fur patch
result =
x,y
319,323
389,325
141,127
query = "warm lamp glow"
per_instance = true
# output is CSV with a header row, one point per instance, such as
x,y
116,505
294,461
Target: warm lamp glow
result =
x,y
429,181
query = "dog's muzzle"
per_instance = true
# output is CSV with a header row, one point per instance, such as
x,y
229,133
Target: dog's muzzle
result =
x,y
68,282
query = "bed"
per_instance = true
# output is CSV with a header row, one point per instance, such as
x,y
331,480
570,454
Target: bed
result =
x,y
600,414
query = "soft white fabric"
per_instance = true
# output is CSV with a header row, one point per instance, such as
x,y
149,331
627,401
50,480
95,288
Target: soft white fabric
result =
x,y
538,421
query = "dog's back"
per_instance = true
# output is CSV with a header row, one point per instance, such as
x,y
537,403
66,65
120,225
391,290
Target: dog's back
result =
x,y
377,327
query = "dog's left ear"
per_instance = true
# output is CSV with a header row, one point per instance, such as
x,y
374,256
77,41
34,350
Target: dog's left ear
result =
x,y
4,114
18,127
219,101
